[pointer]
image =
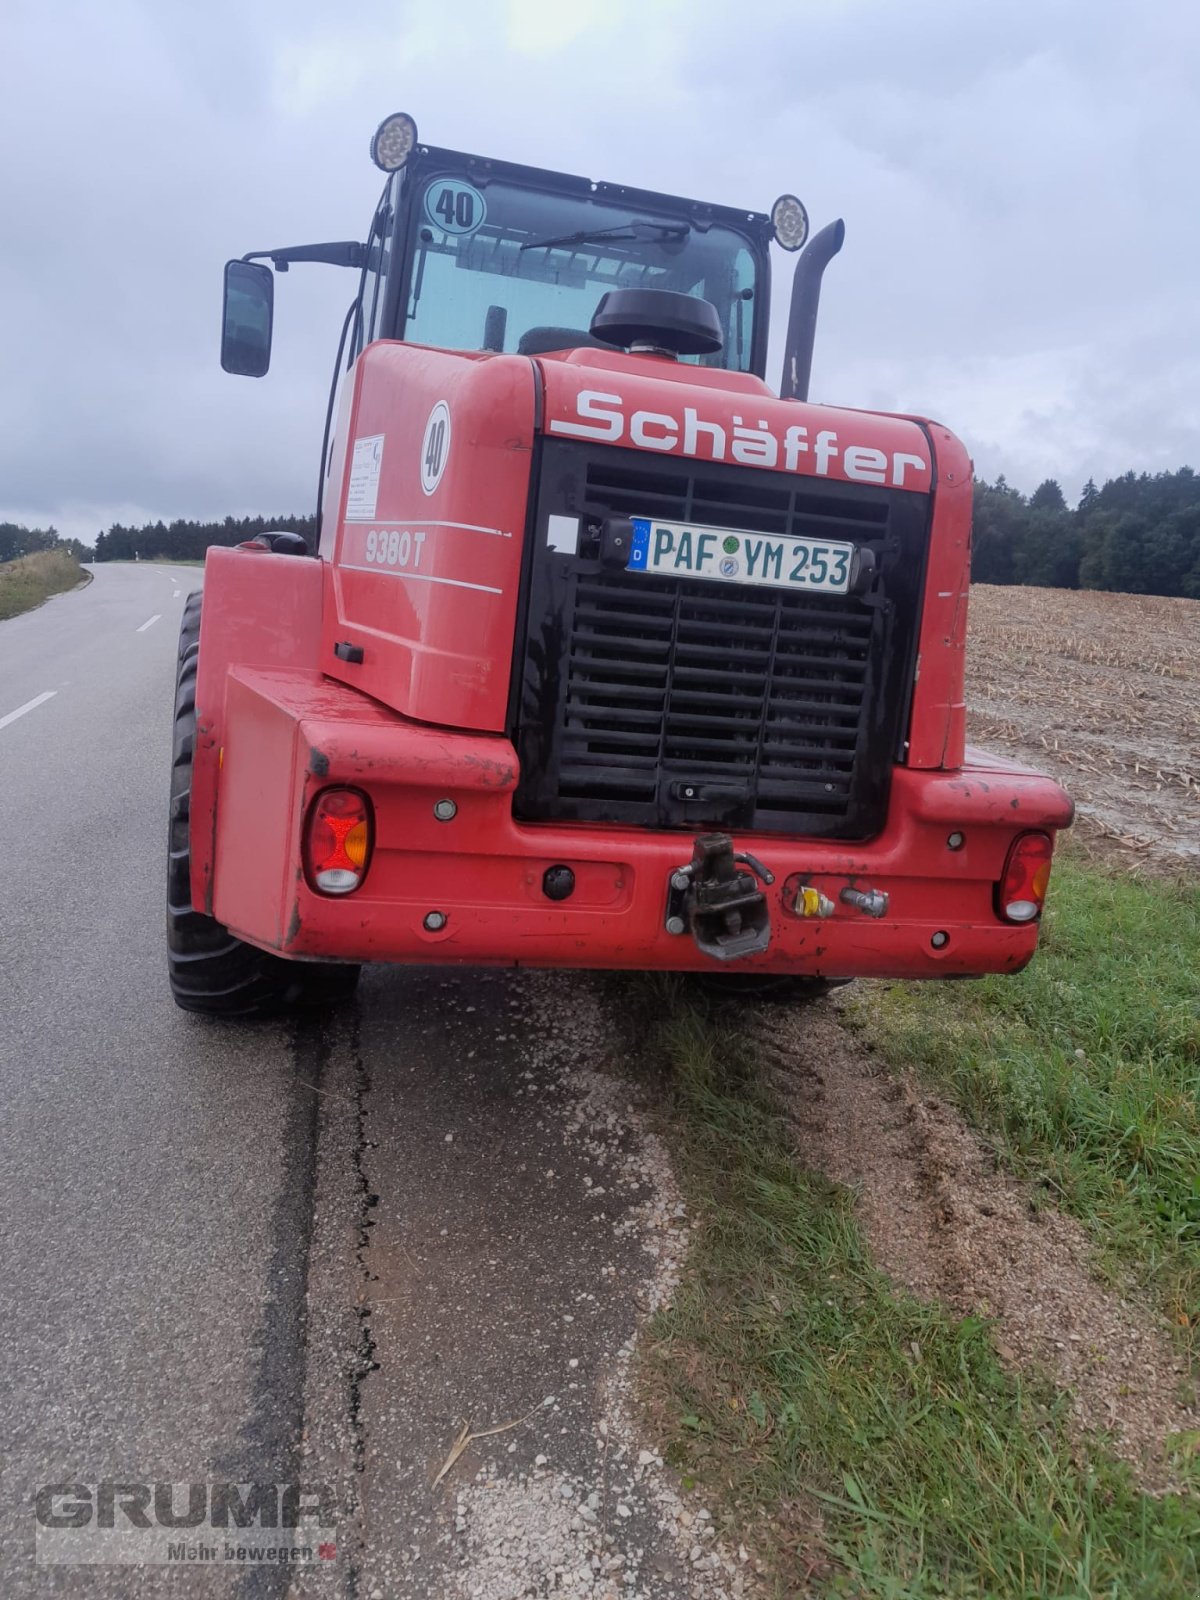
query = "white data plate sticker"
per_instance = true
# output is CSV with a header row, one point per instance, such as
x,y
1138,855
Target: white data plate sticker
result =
x,y
363,493
562,534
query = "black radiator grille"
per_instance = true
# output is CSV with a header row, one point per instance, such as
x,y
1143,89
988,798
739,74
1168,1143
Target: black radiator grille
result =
x,y
680,702
722,685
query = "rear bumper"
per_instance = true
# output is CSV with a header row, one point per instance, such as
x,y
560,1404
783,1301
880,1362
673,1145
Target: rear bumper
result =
x,y
289,735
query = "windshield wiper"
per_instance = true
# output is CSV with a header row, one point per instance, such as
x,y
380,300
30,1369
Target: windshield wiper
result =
x,y
631,230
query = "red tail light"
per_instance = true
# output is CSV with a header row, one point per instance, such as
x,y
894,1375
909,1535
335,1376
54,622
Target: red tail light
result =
x,y
337,842
1021,893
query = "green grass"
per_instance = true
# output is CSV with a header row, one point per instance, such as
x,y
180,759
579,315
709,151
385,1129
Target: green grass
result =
x,y
29,580
1084,1069
864,1443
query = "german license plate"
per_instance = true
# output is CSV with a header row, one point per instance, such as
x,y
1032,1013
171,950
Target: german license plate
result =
x,y
724,555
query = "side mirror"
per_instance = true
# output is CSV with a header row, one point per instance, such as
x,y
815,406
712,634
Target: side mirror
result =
x,y
247,318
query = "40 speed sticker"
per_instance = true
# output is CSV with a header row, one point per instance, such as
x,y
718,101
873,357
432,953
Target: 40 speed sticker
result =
x,y
454,207
435,447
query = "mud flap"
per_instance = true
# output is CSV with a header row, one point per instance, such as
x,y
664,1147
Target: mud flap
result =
x,y
722,907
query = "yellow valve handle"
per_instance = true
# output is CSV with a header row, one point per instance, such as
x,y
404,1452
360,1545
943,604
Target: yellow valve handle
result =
x,y
812,903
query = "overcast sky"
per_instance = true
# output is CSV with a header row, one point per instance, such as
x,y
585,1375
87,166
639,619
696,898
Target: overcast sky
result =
x,y
1018,179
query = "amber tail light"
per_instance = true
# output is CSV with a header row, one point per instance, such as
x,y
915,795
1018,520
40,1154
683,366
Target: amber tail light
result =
x,y
337,841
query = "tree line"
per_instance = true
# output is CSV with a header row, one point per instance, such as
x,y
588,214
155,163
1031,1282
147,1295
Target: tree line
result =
x,y
16,541
1139,534
183,540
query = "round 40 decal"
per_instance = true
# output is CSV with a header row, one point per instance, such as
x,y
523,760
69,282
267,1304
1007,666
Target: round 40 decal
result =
x,y
435,447
454,206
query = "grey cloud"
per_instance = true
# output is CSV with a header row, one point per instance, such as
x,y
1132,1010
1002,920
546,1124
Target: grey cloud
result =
x,y
1016,181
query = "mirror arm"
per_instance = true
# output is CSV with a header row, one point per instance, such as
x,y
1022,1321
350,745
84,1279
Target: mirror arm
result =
x,y
343,253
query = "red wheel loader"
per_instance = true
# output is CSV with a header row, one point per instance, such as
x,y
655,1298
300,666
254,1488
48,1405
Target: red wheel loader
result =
x,y
608,655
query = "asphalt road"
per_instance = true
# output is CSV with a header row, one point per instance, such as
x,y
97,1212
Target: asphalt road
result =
x,y
149,1177
299,1251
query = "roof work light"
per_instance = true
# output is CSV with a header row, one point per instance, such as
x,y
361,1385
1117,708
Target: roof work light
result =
x,y
790,221
392,141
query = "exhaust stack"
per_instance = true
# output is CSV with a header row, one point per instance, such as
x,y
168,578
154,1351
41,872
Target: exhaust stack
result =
x,y
806,297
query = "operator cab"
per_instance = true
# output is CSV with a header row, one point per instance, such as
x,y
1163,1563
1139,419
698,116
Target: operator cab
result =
x,y
472,254
489,256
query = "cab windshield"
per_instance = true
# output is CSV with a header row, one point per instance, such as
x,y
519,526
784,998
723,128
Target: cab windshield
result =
x,y
497,266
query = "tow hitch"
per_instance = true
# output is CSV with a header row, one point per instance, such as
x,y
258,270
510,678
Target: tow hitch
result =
x,y
722,908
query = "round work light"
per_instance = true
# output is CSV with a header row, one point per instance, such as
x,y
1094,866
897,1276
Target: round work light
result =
x,y
392,141
790,221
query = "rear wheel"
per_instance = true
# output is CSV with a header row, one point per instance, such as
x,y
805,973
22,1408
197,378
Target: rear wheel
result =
x,y
211,971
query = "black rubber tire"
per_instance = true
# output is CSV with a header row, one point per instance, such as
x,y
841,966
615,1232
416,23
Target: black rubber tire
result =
x,y
211,971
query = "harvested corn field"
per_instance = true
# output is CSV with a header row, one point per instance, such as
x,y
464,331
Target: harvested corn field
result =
x,y
1102,691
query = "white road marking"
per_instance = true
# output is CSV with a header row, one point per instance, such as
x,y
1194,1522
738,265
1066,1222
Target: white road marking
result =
x,y
30,705
175,594
149,623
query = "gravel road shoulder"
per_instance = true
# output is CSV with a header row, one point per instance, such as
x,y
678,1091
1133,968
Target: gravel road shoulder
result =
x,y
496,1219
511,1221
